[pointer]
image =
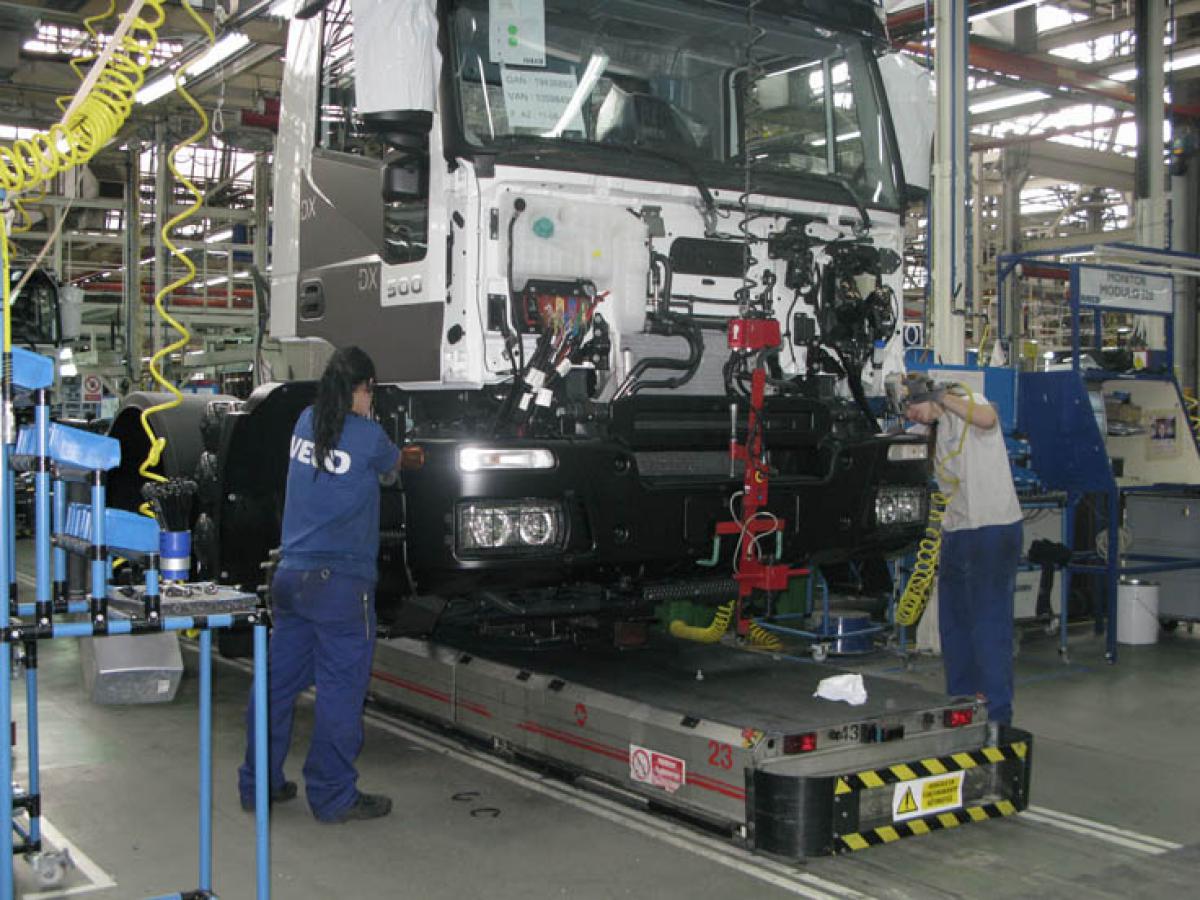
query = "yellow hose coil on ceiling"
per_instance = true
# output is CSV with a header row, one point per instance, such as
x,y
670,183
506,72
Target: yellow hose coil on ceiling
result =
x,y
91,120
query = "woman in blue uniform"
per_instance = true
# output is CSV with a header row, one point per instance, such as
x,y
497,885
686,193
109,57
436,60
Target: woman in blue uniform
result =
x,y
323,594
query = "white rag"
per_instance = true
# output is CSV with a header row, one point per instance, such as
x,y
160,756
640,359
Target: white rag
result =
x,y
848,687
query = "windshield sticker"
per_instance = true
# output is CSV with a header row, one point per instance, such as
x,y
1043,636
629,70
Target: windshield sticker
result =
x,y
540,100
517,32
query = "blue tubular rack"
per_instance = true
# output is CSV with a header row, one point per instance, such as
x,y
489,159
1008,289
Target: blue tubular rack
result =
x,y
56,455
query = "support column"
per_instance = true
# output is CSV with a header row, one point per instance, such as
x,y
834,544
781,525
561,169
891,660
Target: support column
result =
x,y
162,206
1014,170
132,252
950,164
262,247
1150,202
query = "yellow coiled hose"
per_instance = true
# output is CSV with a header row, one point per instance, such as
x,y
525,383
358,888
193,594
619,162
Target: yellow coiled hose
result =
x,y
90,121
920,582
715,630
157,443
708,634
1192,405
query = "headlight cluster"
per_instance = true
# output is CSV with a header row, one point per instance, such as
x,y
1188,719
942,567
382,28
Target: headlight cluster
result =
x,y
899,505
509,525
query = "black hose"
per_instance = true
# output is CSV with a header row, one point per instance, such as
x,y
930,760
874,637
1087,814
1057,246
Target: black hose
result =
x,y
670,326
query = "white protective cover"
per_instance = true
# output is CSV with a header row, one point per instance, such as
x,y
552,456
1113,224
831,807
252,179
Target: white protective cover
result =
x,y
396,59
909,89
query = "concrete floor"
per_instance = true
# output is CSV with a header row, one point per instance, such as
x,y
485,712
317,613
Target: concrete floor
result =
x,y
1114,744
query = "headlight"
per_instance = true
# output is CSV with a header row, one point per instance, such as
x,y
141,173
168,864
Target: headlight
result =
x,y
898,505
509,525
482,459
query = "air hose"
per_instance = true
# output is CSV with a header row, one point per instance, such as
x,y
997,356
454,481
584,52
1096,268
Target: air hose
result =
x,y
92,119
157,443
709,634
929,550
1192,406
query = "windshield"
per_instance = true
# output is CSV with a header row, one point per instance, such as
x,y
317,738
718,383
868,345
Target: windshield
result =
x,y
686,80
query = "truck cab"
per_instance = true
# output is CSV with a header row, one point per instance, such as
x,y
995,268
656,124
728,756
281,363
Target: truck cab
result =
x,y
539,218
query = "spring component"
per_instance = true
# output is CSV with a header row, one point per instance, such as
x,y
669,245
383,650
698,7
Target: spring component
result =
x,y
702,591
929,550
760,637
709,634
157,443
920,582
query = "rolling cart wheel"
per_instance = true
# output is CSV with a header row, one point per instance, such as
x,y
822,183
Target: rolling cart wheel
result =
x,y
51,868
820,652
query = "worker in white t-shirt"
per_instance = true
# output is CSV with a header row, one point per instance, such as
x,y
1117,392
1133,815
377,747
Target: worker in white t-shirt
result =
x,y
981,543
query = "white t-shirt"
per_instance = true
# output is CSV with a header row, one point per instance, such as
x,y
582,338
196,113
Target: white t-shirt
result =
x,y
984,494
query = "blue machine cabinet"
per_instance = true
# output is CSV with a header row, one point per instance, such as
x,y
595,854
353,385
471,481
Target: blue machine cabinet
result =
x,y
1077,448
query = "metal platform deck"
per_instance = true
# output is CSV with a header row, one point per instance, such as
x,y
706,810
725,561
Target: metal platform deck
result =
x,y
729,736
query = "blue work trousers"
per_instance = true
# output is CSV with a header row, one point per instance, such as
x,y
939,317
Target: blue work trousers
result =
x,y
323,635
977,574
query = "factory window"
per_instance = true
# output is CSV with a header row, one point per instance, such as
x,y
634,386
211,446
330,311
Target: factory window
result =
x,y
341,128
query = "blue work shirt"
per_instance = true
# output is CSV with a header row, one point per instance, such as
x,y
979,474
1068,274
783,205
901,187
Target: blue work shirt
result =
x,y
331,514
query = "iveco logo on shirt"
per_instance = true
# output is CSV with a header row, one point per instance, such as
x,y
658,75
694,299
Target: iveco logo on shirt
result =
x,y
303,452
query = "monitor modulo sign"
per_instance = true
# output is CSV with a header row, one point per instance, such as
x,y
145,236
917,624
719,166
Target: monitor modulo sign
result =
x,y
1120,289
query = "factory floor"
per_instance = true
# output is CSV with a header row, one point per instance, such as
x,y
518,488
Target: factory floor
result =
x,y
1116,785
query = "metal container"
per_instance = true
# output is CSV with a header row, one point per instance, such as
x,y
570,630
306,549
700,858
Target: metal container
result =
x,y
1137,612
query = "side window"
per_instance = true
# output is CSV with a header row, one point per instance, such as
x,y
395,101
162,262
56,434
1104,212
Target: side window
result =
x,y
847,135
404,161
34,310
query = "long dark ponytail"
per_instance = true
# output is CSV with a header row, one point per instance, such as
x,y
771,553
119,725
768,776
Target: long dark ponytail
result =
x,y
346,370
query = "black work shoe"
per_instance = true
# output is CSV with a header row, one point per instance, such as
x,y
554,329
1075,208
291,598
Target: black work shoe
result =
x,y
282,794
365,806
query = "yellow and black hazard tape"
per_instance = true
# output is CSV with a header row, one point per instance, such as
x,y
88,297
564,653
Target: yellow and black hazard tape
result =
x,y
937,765
848,843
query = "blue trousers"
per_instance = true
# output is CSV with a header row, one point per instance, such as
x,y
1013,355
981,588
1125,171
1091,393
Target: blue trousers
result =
x,y
323,635
977,574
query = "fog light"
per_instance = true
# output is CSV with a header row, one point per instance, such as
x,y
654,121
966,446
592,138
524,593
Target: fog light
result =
x,y
509,525
899,505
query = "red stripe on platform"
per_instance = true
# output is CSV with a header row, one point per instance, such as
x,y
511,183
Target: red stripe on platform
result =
x,y
424,691
698,781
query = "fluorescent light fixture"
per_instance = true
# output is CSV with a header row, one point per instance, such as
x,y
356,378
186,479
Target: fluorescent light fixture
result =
x,y
219,237
159,87
1005,102
218,53
1183,61
212,282
226,47
1001,10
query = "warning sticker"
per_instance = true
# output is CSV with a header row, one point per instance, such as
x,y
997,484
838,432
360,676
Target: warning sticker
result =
x,y
926,796
657,769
